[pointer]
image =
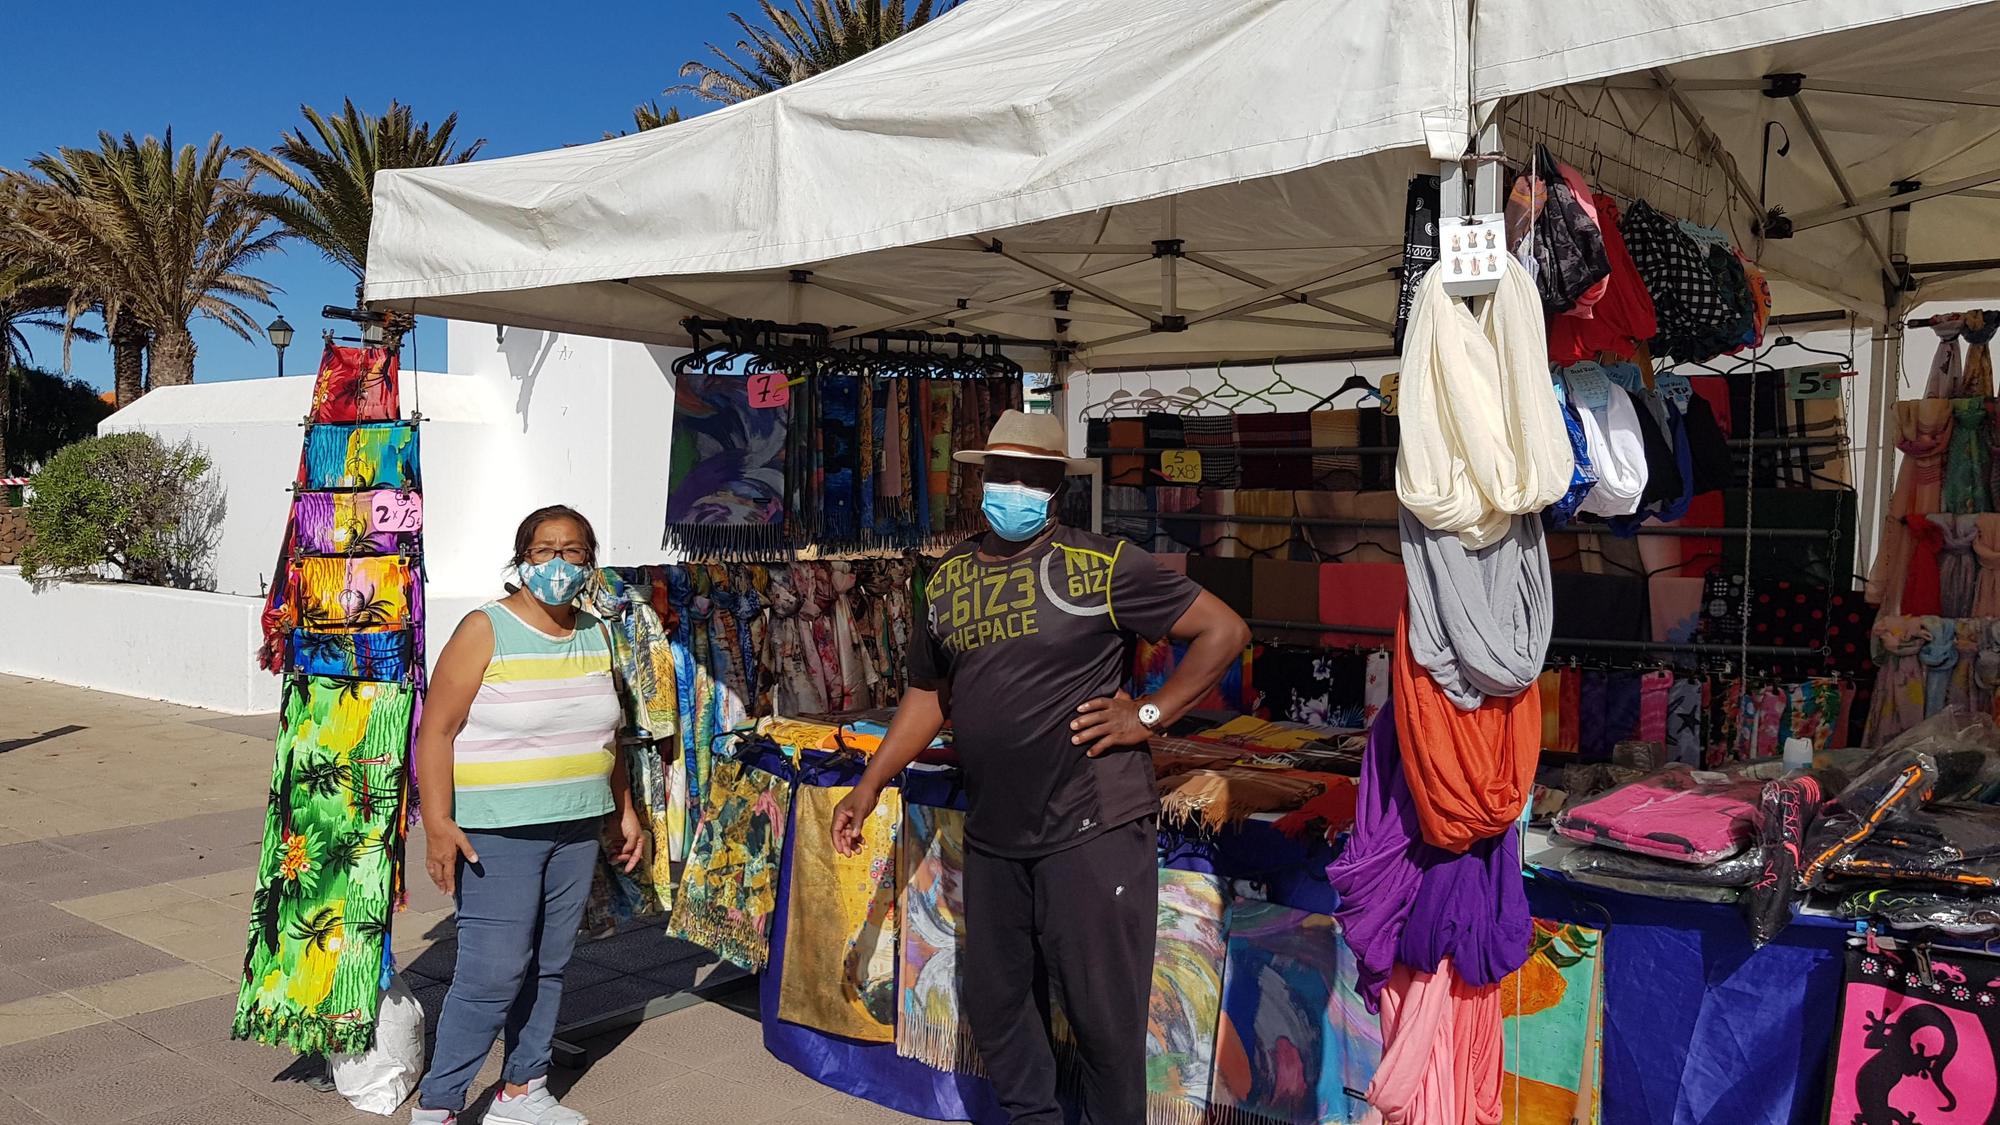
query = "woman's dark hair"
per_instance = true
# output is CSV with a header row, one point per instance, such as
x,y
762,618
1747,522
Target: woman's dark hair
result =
x,y
525,536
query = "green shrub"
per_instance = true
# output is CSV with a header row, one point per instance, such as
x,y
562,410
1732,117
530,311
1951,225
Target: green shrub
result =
x,y
150,509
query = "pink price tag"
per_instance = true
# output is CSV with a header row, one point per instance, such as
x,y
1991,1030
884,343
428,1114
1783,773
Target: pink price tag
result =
x,y
770,389
397,511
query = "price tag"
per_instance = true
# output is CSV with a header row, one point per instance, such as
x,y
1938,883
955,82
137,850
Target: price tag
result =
x,y
1676,387
1472,252
769,389
1387,388
1181,466
1627,375
397,511
1813,382
1589,385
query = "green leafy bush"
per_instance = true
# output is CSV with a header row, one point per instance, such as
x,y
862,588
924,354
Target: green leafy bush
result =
x,y
150,509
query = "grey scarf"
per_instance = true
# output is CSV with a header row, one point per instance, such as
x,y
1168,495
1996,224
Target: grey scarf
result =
x,y
1479,620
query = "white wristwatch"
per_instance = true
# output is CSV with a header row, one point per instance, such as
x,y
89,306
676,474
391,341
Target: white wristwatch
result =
x,y
1150,716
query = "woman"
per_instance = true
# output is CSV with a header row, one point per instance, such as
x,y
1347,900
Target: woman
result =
x,y
517,767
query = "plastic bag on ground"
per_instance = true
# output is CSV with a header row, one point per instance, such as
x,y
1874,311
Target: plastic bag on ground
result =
x,y
382,1078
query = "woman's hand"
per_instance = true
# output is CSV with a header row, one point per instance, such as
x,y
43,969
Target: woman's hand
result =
x,y
631,836
848,816
444,842
1108,723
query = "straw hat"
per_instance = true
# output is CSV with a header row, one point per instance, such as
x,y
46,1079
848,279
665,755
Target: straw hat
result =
x,y
1033,437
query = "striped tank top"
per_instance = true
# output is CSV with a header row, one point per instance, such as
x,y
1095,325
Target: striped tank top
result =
x,y
537,744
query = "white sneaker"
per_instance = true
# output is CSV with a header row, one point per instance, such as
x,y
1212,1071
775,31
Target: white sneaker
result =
x,y
420,1116
536,1107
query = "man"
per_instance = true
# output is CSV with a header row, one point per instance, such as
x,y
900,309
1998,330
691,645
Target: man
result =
x,y
1025,648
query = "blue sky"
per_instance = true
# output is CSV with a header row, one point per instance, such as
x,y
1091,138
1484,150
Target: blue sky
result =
x,y
526,76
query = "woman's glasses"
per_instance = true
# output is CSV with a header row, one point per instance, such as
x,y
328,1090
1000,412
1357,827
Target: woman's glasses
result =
x,y
539,555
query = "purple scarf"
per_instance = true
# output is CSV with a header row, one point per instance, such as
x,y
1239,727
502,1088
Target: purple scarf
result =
x,y
1404,900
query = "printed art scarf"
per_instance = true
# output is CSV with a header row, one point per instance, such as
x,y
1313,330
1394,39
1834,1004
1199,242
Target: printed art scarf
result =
x,y
1186,1002
356,385
840,940
326,878
1294,1037
1947,366
1552,1023
726,483
729,887
930,1027
1979,329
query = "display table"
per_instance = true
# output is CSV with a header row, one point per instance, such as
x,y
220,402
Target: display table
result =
x,y
1698,1027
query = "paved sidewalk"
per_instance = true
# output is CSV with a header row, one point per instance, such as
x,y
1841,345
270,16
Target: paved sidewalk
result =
x,y
128,847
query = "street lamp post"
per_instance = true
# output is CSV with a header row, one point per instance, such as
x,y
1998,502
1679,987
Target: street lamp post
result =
x,y
281,338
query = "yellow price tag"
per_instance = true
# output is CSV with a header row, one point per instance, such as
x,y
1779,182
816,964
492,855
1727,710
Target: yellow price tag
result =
x,y
1182,466
1388,389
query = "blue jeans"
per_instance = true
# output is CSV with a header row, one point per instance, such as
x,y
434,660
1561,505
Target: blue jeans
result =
x,y
518,912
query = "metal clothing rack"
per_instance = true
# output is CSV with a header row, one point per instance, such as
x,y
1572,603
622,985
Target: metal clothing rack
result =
x,y
1684,647
1380,450
1387,524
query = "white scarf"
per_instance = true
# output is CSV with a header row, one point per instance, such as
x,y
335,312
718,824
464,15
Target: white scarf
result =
x,y
1617,451
1482,439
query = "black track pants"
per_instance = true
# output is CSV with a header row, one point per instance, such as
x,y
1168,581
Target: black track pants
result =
x,y
1081,921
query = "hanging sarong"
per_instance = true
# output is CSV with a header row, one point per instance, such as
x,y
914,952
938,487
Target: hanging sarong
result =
x,y
361,656
930,1027
840,461
1186,1004
729,887
326,879
382,522
726,478
1916,1038
373,455
356,385
337,594
840,940
1294,1035
939,421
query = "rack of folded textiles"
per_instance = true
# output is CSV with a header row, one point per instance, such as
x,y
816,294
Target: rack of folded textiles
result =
x,y
1907,835
343,623
784,443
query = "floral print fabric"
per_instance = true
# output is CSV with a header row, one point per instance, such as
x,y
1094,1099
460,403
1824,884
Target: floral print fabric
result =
x,y
327,878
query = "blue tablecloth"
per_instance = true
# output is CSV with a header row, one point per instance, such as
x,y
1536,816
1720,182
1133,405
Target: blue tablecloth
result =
x,y
1698,1028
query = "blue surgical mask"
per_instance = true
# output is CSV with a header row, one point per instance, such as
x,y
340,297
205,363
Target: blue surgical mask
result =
x,y
1016,512
555,582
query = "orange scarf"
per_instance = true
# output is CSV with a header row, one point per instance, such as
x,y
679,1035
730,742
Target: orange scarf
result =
x,y
1469,771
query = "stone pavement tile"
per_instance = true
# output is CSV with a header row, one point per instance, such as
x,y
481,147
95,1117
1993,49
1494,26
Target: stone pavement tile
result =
x,y
99,965
71,936
76,1053
219,938
837,1106
238,1107
261,725
612,1074
256,1067
118,1094
15,1113
229,967
23,861
137,900
68,875
203,1021
149,992
223,886
14,986
696,1098
697,1037
28,916
230,828
757,1068
54,818
151,927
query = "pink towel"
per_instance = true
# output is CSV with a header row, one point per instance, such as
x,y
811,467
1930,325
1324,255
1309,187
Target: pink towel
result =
x,y
1654,688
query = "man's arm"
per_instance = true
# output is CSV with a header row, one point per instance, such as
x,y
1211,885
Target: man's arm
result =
x,y
1216,637
919,718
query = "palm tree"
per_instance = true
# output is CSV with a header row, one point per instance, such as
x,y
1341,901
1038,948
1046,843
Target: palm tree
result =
x,y
30,297
330,177
814,36
647,116
153,234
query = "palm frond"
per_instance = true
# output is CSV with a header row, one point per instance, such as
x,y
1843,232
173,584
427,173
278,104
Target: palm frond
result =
x,y
811,37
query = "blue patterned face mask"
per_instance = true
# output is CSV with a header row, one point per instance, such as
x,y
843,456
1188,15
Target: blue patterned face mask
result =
x,y
1016,512
554,582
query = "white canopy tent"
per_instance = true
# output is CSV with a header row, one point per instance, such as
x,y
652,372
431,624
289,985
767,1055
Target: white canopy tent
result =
x,y
1176,181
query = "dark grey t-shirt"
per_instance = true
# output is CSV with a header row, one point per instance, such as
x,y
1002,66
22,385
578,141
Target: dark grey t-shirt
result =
x,y
1013,649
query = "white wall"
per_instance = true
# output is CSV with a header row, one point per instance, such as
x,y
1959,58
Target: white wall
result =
x,y
182,646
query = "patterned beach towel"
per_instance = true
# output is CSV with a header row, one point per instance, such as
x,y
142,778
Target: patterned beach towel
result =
x,y
840,944
929,1025
339,594
1186,1002
729,887
726,480
1295,1038
356,385
326,880
382,522
372,455
1552,1028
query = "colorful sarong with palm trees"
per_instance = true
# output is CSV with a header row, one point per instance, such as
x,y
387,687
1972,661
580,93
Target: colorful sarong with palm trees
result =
x,y
369,455
328,878
356,385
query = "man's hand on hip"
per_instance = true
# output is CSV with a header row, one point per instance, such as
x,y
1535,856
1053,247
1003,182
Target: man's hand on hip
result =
x,y
1103,725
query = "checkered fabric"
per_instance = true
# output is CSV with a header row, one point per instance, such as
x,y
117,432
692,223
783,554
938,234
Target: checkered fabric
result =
x,y
1678,276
